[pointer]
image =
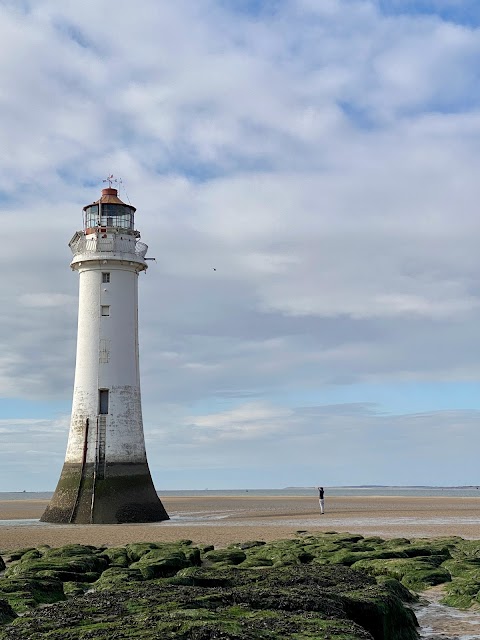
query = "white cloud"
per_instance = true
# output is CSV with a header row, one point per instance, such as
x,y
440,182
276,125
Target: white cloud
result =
x,y
47,299
252,421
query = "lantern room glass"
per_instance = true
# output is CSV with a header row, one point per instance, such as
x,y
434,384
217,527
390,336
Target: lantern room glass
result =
x,y
116,215
109,215
91,216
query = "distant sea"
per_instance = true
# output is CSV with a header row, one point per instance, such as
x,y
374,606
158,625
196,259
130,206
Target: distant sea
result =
x,y
460,492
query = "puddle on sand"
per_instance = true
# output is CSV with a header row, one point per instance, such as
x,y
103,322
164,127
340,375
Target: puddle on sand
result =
x,y
439,622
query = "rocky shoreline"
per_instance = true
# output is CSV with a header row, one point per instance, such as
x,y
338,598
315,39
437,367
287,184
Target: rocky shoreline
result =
x,y
330,585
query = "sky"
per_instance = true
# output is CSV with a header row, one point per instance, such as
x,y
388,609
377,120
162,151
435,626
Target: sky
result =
x,y
305,173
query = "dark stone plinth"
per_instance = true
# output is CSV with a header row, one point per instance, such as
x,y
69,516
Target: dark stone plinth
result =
x,y
118,493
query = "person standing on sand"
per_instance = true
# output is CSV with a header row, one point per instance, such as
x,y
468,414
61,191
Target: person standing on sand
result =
x,y
321,499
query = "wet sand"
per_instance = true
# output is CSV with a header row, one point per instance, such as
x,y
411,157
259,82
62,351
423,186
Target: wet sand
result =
x,y
220,520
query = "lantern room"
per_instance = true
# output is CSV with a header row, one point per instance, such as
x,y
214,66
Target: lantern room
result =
x,y
109,211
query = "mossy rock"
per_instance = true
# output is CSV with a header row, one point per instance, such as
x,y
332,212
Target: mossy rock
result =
x,y
65,569
343,537
23,594
206,547
116,577
351,557
201,577
292,603
464,589
413,573
161,567
117,557
375,540
7,614
249,544
467,550
281,553
257,561
12,556
398,589
417,551
194,557
226,556
160,554
396,542
232,623
68,576
461,568
33,554
138,549
383,615
68,563
2,564
72,551
462,593
73,589
421,579
441,545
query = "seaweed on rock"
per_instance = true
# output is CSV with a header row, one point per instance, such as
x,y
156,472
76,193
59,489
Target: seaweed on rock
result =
x,y
308,602
7,614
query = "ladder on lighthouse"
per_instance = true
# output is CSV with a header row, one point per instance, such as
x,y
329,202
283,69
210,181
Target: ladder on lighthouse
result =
x,y
101,445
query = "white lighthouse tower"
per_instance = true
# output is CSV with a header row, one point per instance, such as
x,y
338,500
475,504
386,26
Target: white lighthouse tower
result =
x,y
105,477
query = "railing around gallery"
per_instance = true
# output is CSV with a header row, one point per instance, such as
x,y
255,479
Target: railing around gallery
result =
x,y
81,244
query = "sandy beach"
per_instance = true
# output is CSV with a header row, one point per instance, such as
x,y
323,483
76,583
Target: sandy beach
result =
x,y
222,520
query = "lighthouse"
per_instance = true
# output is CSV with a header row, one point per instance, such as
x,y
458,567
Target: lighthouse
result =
x,y
105,477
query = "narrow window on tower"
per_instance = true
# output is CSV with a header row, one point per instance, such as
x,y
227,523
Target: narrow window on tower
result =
x,y
105,309
102,401
105,277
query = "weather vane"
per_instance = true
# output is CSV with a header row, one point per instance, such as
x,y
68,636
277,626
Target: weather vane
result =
x,y
110,179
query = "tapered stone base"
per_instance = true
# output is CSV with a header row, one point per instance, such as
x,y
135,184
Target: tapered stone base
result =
x,y
122,493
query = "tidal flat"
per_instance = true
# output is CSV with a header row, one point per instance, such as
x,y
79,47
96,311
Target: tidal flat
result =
x,y
324,585
221,520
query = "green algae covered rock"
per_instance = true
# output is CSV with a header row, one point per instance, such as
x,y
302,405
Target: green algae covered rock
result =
x,y
464,567
397,588
336,585
117,557
290,603
279,553
199,577
73,589
7,614
167,565
232,623
230,556
466,550
72,568
415,574
12,556
250,544
382,615
117,577
462,593
138,549
71,551
25,593
166,560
